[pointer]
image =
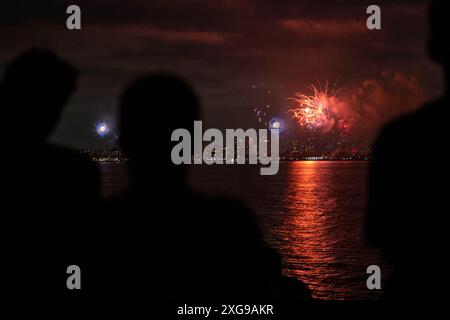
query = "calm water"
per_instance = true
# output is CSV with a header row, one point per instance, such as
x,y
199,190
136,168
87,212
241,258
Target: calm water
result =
x,y
311,212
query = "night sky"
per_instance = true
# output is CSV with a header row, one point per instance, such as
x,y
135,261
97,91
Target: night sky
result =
x,y
239,55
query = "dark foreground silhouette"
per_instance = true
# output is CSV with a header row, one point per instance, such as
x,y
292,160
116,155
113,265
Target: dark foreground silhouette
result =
x,y
172,244
47,190
408,208
157,240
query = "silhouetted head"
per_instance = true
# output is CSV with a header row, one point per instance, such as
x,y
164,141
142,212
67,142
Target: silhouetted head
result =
x,y
438,46
151,108
34,90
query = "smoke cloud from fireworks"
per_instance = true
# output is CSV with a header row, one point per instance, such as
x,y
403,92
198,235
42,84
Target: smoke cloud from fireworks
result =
x,y
355,113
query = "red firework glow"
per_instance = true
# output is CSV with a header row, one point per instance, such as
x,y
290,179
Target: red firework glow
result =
x,y
322,110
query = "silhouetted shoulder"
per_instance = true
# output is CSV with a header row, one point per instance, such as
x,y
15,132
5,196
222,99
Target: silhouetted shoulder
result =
x,y
70,156
234,215
71,171
412,131
401,190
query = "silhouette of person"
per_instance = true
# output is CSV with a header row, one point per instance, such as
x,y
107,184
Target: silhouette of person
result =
x,y
189,247
47,189
407,218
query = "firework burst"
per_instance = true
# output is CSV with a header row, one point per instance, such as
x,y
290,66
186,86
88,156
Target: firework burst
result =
x,y
312,111
321,110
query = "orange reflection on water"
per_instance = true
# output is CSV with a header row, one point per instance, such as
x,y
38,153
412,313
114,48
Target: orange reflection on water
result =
x,y
313,214
311,202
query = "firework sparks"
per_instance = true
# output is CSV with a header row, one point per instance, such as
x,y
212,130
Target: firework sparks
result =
x,y
102,129
277,124
322,109
261,114
313,111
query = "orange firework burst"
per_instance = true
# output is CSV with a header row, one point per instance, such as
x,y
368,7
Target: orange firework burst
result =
x,y
316,110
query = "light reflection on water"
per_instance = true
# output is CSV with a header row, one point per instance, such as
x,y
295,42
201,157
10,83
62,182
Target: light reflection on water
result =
x,y
311,212
323,236
310,230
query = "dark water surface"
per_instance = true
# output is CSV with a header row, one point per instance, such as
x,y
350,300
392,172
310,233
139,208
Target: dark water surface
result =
x,y
312,212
